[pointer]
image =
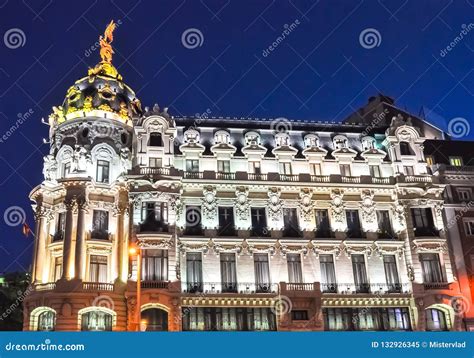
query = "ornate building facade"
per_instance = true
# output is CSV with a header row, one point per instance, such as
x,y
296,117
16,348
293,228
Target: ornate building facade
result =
x,y
237,224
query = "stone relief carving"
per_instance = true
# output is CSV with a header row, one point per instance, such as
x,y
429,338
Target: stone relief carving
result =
x,y
306,204
398,211
242,204
275,204
50,167
337,208
209,203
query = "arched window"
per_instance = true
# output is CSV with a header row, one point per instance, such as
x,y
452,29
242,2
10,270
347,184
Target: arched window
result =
x,y
340,142
155,140
96,321
405,149
47,321
222,137
435,320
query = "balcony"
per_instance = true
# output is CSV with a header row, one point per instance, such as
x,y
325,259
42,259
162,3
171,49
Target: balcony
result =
x,y
329,287
153,226
426,231
257,177
97,286
260,232
230,287
386,234
364,288
225,176
45,286
155,284
98,234
300,286
324,233
195,230
58,236
226,230
355,234
292,231
193,175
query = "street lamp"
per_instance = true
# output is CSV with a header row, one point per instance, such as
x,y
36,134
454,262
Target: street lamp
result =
x,y
136,251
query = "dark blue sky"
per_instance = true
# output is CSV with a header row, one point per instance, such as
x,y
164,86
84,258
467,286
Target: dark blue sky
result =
x,y
320,71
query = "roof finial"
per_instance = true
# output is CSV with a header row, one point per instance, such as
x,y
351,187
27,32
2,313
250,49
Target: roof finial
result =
x,y
105,41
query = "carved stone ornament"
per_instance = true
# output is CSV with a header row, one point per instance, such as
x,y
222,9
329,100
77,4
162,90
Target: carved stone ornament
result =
x,y
209,203
274,204
367,206
306,204
399,217
50,167
337,206
163,244
242,204
150,195
81,158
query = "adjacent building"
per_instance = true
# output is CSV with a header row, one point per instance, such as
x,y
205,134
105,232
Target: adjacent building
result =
x,y
244,224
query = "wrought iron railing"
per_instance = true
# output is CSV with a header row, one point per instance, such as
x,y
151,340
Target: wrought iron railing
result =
x,y
155,284
436,285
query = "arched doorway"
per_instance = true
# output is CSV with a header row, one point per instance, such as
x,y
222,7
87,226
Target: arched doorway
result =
x,y
156,319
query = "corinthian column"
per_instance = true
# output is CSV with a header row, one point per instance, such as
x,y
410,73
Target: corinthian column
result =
x,y
80,239
67,244
121,211
40,247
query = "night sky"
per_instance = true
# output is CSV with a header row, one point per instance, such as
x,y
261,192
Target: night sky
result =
x,y
320,71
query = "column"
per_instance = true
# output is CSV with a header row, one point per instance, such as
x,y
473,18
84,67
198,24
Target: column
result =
x,y
122,247
40,243
80,239
67,245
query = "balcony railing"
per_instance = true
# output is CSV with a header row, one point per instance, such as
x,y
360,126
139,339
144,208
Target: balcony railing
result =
x,y
226,230
155,171
373,288
289,177
260,232
45,286
324,233
350,180
292,286
195,230
320,178
58,236
155,284
100,235
436,285
225,176
426,231
193,175
329,287
230,287
153,226
291,231
257,176
97,286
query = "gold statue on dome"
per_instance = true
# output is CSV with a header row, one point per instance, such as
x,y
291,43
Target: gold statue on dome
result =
x,y
105,41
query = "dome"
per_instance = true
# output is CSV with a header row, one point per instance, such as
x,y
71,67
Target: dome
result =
x,y
102,93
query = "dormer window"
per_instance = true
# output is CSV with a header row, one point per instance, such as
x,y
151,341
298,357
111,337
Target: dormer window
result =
x,y
405,149
282,139
368,143
311,140
340,142
155,140
191,136
252,138
222,137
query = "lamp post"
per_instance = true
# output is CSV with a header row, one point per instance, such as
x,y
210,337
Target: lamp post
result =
x,y
137,251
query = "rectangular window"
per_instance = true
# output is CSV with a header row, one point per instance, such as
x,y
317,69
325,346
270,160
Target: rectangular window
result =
x,y
290,222
295,272
391,273
58,268
102,175
299,315
194,271
98,268
285,168
337,319
431,268
384,225
366,319
315,169
374,171
455,161
408,170
228,273
226,221
464,193
353,224
430,160
223,166
423,222
192,165
155,265
60,227
328,274
259,222
322,223
100,225
66,169
469,227
360,274
262,272
154,211
155,162
254,168
396,319
345,170
193,220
